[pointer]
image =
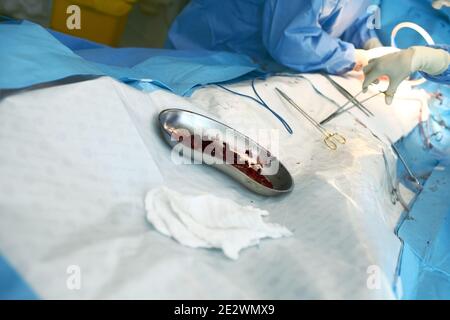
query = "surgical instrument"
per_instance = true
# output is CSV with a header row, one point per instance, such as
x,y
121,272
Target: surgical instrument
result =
x,y
403,161
394,191
342,109
348,95
259,101
330,138
315,88
339,109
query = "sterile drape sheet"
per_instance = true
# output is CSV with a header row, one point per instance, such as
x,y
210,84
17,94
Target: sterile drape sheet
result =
x,y
31,55
77,160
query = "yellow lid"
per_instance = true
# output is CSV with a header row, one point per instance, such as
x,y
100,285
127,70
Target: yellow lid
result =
x,y
111,7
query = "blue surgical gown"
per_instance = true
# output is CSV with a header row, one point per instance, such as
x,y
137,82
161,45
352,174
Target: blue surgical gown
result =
x,y
304,35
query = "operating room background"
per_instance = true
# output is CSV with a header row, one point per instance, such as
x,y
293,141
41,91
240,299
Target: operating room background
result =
x,y
149,20
147,25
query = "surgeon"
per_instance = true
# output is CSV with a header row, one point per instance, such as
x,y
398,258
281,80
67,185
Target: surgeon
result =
x,y
304,35
432,62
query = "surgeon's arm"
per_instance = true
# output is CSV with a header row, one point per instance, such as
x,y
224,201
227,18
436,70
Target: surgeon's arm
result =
x,y
293,36
443,77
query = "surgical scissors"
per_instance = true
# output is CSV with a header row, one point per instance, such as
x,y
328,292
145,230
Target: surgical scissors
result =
x,y
330,138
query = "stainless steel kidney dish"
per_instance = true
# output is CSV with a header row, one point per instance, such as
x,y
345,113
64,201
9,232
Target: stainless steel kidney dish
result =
x,y
203,140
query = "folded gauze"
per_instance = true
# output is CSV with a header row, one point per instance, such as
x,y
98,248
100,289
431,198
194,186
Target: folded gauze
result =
x,y
207,221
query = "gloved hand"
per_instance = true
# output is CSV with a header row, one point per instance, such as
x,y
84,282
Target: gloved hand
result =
x,y
362,56
398,66
361,59
438,4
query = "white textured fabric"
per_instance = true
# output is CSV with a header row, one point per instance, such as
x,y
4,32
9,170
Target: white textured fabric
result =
x,y
207,221
77,160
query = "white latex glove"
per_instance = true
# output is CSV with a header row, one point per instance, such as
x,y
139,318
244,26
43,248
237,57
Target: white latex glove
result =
x,y
398,66
361,59
438,4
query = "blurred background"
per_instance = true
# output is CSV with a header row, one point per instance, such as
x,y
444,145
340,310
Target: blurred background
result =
x,y
118,23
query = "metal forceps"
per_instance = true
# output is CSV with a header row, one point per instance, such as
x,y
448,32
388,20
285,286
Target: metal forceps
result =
x,y
344,108
408,169
331,139
394,191
348,95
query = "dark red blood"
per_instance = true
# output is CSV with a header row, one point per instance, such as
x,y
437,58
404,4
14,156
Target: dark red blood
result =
x,y
253,174
224,153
